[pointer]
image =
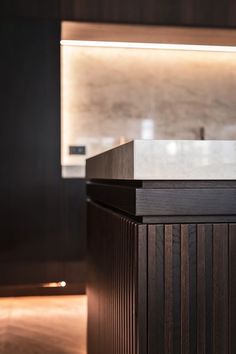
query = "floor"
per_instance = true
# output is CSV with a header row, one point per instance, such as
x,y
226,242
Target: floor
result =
x,y
43,325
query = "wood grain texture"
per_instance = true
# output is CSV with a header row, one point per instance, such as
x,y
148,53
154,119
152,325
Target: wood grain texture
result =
x,y
232,288
119,197
168,323
187,10
209,287
216,13
43,325
187,219
192,289
176,283
155,289
117,283
184,290
146,34
231,13
187,202
175,291
173,184
180,12
169,201
141,299
220,289
30,186
41,214
201,290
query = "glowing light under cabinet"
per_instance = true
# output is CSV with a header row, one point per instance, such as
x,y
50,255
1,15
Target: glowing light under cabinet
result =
x,y
166,46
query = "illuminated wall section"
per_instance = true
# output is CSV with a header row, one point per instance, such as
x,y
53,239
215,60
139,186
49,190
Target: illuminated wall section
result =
x,y
111,95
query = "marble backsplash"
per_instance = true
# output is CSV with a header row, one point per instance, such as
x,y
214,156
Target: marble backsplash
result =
x,y
112,95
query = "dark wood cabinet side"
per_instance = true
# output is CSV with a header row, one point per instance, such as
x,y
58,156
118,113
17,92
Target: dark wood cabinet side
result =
x,y
160,288
117,297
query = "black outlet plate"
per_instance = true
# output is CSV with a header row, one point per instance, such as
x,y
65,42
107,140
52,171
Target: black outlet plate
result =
x,y
77,150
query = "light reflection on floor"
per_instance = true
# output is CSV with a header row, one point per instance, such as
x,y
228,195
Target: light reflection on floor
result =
x,y
43,325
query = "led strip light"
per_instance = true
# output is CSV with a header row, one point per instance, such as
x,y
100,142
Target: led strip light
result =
x,y
165,46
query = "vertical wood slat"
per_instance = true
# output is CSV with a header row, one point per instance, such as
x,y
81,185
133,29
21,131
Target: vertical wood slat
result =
x,y
128,271
142,290
122,272
201,290
114,292
126,300
209,288
192,289
168,323
204,289
129,290
135,275
220,289
119,270
176,284
232,288
184,290
120,342
155,289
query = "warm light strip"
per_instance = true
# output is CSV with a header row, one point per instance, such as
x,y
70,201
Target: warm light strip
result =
x,y
60,284
167,46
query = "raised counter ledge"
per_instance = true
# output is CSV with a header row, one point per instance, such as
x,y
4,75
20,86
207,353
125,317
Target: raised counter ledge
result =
x,y
166,160
162,224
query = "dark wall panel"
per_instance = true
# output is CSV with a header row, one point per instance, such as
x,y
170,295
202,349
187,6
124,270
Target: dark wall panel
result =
x,y
30,8
74,219
30,130
42,216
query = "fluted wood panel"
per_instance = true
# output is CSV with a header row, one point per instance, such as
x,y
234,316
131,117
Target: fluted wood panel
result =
x,y
160,289
220,289
117,297
201,297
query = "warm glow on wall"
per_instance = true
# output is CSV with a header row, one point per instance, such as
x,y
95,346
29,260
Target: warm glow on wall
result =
x,y
168,85
134,45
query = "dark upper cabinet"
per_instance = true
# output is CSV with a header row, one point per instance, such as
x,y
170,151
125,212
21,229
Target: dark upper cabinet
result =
x,y
215,13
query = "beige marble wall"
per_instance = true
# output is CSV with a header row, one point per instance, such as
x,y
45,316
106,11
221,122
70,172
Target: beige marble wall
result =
x,y
110,95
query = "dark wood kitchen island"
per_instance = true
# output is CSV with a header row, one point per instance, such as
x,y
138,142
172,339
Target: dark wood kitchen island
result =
x,y
162,248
